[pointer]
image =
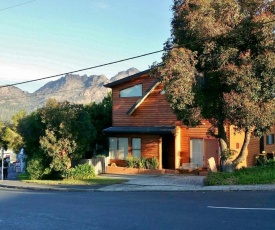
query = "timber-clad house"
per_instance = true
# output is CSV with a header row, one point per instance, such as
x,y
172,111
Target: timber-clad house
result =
x,y
144,125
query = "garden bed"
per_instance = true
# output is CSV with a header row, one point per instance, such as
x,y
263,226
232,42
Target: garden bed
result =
x,y
126,170
114,169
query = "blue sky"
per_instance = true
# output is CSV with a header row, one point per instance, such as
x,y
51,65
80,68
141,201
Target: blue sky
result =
x,y
49,37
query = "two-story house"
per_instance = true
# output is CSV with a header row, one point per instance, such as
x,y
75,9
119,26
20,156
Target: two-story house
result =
x,y
144,125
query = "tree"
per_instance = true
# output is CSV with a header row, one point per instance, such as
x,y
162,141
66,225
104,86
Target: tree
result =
x,y
70,121
101,115
9,137
54,135
221,66
31,128
3,141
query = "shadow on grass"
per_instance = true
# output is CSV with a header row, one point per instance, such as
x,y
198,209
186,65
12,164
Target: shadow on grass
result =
x,y
93,181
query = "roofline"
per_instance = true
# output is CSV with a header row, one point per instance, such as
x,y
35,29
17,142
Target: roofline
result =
x,y
129,78
140,130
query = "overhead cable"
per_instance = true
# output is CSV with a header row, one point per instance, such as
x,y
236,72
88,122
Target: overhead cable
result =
x,y
80,70
24,3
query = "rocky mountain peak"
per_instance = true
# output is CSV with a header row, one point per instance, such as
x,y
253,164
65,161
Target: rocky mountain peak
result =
x,y
123,74
72,87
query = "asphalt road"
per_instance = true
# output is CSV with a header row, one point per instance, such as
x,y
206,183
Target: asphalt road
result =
x,y
21,209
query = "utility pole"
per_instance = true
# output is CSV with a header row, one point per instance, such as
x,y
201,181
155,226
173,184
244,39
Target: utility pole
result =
x,y
2,157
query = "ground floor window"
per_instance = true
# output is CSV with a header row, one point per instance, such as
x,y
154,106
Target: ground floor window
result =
x,y
118,148
136,147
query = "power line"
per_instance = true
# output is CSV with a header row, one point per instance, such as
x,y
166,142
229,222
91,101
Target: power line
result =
x,y
24,3
93,67
80,70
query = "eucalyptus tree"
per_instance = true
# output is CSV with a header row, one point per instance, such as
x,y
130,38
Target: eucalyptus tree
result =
x,y
220,65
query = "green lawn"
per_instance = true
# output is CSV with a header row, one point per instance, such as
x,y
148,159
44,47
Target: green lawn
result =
x,y
246,176
99,180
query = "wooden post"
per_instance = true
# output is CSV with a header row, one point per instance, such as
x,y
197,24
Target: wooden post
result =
x,y
160,152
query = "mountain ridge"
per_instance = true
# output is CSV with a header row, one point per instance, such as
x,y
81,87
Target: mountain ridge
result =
x,y
71,87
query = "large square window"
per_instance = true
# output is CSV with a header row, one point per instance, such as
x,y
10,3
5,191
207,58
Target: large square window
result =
x,y
118,148
134,91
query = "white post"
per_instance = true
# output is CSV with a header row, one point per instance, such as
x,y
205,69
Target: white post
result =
x,y
2,155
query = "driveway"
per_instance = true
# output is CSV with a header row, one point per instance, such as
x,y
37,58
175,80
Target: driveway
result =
x,y
155,183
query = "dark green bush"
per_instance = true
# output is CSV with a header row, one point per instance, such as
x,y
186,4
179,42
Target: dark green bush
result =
x,y
35,168
80,172
270,162
53,175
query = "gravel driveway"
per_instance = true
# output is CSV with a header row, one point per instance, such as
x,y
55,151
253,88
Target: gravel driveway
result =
x,y
155,182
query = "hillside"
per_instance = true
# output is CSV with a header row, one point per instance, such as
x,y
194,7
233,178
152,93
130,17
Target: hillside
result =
x,y
74,88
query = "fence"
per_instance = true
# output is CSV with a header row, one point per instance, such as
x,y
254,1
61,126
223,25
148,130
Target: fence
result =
x,y
99,163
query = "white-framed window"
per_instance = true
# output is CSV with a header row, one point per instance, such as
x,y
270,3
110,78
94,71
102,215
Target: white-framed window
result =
x,y
118,148
134,91
270,139
136,147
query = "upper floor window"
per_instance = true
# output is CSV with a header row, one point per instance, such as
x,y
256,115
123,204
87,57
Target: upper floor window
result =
x,y
134,91
270,139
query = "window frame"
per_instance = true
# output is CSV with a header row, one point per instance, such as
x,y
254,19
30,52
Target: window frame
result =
x,y
136,149
132,91
118,150
270,139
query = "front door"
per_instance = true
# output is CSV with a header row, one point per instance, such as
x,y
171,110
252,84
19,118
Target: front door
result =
x,y
196,151
168,152
211,149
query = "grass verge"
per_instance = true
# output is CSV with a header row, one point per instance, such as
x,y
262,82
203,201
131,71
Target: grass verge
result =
x,y
99,180
245,176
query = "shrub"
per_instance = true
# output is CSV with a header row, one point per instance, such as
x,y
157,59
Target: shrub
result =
x,y
80,172
52,174
147,163
133,162
35,168
154,163
270,163
151,163
142,163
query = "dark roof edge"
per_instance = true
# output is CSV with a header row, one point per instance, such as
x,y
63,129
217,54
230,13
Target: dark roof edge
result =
x,y
140,130
131,77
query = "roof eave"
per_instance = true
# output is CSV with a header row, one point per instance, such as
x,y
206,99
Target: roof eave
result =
x,y
129,78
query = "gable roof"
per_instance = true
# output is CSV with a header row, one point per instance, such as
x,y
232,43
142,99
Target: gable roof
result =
x,y
129,78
